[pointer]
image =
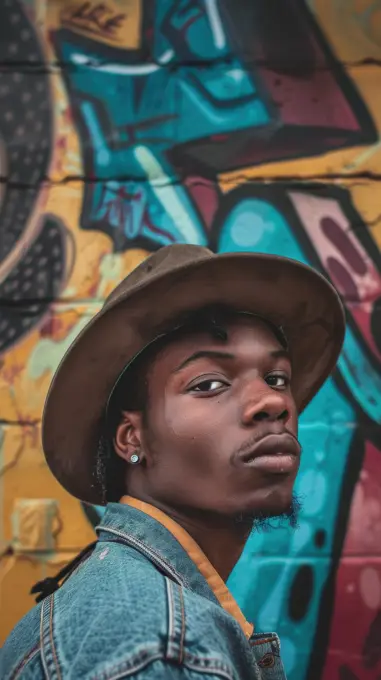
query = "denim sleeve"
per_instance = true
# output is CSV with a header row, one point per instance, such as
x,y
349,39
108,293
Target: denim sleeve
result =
x,y
161,670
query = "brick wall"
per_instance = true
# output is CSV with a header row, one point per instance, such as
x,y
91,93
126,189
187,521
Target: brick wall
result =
x,y
127,125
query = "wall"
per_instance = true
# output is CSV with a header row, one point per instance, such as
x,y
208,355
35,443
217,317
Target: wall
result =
x,y
253,125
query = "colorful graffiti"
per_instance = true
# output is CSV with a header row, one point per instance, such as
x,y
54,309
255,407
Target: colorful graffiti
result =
x,y
127,125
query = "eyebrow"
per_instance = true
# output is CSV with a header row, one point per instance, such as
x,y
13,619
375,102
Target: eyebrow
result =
x,y
281,354
204,354
211,354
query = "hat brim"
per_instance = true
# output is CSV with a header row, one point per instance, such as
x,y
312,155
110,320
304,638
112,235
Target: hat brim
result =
x,y
284,291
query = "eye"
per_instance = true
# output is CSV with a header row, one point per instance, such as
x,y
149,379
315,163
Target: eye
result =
x,y
210,385
279,381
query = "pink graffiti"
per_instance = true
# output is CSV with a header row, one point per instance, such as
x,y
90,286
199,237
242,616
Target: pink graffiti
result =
x,y
342,255
355,640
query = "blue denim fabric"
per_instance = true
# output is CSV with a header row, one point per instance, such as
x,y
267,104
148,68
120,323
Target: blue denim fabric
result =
x,y
137,608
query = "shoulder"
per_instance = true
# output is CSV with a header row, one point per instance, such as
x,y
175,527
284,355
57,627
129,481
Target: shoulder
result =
x,y
20,655
115,601
117,594
117,615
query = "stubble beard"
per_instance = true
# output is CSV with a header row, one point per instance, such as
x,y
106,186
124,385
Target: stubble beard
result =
x,y
266,521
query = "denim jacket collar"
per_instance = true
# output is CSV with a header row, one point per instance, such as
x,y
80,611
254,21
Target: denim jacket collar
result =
x,y
152,539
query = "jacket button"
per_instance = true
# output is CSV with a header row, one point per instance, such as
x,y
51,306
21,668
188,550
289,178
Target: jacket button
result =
x,y
267,661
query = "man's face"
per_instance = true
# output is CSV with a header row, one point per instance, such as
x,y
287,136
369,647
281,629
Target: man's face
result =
x,y
221,426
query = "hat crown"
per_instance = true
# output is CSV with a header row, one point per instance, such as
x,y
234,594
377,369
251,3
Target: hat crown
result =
x,y
160,262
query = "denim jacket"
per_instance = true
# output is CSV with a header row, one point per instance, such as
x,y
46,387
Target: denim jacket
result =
x,y
136,607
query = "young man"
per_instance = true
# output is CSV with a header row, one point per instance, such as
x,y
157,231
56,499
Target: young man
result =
x,y
177,406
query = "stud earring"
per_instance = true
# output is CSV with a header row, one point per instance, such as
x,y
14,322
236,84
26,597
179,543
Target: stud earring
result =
x,y
134,459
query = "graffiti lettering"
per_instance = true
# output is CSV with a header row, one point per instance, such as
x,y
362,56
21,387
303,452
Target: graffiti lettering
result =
x,y
95,18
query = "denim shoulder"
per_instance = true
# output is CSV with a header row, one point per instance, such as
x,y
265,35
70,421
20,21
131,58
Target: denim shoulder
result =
x,y
110,610
20,655
118,616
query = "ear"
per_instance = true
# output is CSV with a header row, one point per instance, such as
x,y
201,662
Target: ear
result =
x,y
128,434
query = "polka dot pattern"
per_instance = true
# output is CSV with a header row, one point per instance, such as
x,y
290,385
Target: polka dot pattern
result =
x,y
26,131
25,121
31,287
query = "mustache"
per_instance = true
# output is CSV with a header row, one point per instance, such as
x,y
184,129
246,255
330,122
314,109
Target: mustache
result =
x,y
253,441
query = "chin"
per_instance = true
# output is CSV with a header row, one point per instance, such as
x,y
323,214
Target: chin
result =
x,y
268,503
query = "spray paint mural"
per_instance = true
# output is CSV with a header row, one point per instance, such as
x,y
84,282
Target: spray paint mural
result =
x,y
127,125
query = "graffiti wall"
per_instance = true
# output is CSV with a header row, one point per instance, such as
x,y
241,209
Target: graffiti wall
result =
x,y
126,125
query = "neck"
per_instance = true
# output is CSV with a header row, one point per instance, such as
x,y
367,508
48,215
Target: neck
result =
x,y
221,539
221,542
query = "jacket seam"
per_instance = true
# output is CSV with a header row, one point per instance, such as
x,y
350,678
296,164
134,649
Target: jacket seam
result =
x,y
182,635
133,664
171,616
42,633
47,639
212,670
173,609
124,669
52,638
219,667
24,661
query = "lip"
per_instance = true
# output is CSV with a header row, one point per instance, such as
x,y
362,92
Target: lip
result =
x,y
274,453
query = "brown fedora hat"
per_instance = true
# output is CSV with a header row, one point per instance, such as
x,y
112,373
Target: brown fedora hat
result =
x,y
175,279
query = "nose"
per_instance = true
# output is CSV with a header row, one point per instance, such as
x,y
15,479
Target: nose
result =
x,y
265,404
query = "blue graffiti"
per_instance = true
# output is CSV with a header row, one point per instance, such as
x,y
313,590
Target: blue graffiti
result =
x,y
195,102
146,111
